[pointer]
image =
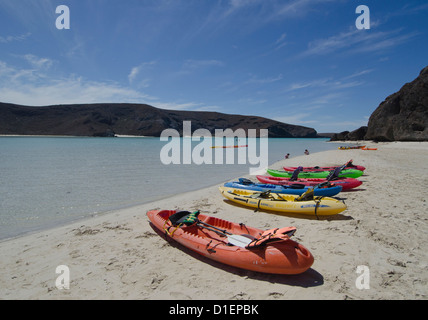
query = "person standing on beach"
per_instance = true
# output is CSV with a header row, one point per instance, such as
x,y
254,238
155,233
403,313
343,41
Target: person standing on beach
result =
x,y
287,156
306,152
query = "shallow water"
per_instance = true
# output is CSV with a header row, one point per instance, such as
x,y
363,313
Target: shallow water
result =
x,y
48,181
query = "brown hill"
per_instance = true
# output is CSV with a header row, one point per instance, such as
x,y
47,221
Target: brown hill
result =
x,y
129,119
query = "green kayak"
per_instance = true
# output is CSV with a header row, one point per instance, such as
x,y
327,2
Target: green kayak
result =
x,y
346,173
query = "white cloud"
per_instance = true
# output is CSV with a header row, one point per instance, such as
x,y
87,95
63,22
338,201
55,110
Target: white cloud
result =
x,y
69,91
303,119
281,41
133,74
357,41
38,63
8,39
36,87
323,83
137,70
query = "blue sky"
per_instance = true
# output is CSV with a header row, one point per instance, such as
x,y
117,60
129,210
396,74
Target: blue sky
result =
x,y
301,62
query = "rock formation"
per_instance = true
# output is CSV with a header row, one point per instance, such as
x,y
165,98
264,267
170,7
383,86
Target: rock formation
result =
x,y
358,134
403,116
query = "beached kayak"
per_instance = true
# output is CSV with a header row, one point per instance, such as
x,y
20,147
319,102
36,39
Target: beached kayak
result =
x,y
348,165
270,251
242,146
345,183
350,148
327,189
306,204
348,173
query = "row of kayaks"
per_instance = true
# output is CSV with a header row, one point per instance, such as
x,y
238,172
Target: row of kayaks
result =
x,y
268,251
355,147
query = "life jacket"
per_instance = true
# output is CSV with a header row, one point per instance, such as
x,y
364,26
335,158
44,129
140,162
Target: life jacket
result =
x,y
306,196
245,181
272,235
334,174
296,174
184,217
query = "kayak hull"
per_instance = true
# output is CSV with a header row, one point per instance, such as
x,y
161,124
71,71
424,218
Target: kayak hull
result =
x,y
348,173
286,189
283,257
285,203
317,169
345,183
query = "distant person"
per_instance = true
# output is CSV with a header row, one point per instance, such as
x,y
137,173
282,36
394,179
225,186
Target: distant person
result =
x,y
306,152
287,156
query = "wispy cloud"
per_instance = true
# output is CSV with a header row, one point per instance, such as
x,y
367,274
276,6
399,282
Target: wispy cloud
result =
x,y
299,7
325,83
192,64
298,118
258,80
281,41
9,38
356,41
37,86
37,62
136,71
358,74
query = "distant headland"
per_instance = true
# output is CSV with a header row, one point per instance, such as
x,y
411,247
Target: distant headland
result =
x,y
114,119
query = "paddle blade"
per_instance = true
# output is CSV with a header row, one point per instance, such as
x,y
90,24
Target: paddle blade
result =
x,y
239,241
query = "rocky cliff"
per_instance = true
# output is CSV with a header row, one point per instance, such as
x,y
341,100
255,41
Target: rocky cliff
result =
x,y
130,119
403,116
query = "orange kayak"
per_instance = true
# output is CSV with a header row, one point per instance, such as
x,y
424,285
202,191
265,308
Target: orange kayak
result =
x,y
270,251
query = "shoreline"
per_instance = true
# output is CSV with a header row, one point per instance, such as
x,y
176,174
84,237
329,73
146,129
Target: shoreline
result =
x,y
117,255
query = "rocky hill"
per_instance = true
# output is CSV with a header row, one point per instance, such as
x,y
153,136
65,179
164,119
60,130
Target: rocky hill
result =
x,y
129,119
403,116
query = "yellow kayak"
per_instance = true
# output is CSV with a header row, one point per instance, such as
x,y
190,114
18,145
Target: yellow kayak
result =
x,y
305,204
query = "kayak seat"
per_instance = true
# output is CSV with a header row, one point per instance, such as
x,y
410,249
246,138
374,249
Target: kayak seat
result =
x,y
262,195
306,196
184,217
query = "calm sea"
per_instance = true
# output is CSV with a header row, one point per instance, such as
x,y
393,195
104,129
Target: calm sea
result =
x,y
49,181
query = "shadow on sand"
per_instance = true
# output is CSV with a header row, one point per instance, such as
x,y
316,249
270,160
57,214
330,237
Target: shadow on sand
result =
x,y
309,278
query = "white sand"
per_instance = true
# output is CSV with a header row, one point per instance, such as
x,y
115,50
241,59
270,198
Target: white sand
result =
x,y
118,255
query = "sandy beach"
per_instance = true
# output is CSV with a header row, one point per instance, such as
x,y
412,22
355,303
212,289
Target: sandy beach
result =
x,y
118,255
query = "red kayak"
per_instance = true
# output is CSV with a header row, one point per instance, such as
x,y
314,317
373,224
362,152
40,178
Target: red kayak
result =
x,y
348,165
346,183
271,251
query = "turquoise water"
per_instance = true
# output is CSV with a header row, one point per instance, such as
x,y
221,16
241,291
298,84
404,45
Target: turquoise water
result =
x,y
49,181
